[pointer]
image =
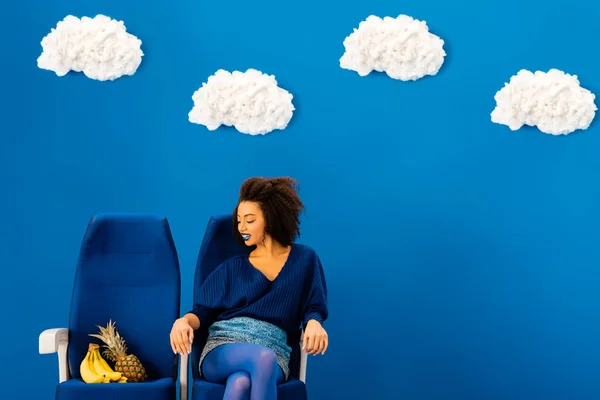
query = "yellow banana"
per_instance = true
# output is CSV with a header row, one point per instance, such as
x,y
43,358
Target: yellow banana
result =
x,y
103,368
87,371
94,370
122,380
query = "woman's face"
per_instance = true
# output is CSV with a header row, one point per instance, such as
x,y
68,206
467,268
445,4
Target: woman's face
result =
x,y
251,222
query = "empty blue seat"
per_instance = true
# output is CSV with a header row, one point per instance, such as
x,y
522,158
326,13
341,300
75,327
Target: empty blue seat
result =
x,y
127,272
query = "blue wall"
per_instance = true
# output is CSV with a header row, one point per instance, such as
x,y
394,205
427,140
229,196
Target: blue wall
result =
x,y
462,258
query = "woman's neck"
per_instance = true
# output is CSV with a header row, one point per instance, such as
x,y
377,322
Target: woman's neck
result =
x,y
270,248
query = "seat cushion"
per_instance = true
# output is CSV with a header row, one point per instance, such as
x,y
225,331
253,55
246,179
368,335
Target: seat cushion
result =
x,y
76,389
293,389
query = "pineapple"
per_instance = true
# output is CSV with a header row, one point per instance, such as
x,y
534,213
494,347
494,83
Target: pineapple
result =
x,y
116,350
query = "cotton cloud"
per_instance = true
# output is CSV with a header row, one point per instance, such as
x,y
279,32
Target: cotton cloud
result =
x,y
100,47
250,101
401,47
552,101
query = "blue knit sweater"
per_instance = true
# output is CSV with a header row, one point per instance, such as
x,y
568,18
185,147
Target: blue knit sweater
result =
x,y
237,289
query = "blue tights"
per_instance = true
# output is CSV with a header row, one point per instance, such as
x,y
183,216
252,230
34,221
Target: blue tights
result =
x,y
249,371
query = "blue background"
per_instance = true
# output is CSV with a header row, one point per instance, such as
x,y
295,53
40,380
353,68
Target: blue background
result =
x,y
462,258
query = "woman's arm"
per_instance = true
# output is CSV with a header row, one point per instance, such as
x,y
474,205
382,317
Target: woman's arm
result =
x,y
315,312
315,307
208,303
210,299
193,320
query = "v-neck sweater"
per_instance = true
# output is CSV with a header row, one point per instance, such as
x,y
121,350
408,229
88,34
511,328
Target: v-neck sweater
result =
x,y
237,289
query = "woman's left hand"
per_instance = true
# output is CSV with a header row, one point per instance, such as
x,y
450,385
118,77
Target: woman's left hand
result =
x,y
315,338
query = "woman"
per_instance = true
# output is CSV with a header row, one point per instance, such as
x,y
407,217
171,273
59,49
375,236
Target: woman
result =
x,y
253,303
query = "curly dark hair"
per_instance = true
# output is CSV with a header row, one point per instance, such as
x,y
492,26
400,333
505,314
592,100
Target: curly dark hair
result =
x,y
280,204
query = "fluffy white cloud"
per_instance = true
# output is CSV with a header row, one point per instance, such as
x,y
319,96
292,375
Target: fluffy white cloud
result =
x,y
100,47
401,47
250,101
552,101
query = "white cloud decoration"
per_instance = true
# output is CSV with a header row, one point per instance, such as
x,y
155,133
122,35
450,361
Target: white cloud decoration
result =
x,y
100,47
250,101
552,101
401,47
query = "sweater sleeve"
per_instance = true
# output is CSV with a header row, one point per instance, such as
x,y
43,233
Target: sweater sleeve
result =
x,y
316,301
209,302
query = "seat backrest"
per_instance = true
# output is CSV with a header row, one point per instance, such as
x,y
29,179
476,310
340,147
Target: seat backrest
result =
x,y
217,246
127,272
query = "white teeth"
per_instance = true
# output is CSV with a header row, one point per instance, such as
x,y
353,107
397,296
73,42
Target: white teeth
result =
x,y
245,236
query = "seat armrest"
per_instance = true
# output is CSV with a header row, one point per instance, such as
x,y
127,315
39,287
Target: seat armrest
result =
x,y
303,359
56,340
183,376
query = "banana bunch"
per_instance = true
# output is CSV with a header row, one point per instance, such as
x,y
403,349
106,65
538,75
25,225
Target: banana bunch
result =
x,y
94,369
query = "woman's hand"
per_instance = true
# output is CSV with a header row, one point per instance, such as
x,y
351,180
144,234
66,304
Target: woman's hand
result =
x,y
315,338
182,336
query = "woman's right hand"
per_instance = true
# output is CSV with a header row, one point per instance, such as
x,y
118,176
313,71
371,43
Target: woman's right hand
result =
x,y
182,336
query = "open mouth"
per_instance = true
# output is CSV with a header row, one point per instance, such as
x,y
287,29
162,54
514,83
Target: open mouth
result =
x,y
245,236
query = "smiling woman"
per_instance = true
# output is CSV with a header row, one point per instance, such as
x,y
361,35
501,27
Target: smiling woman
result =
x,y
249,228
268,207
253,304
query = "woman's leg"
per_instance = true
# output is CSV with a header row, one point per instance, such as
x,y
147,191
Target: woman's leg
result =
x,y
237,386
258,361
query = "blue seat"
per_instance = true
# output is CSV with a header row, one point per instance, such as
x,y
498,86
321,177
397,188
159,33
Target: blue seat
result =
x,y
218,245
127,272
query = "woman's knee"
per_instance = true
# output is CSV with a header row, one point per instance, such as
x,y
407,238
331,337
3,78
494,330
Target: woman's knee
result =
x,y
266,359
240,382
